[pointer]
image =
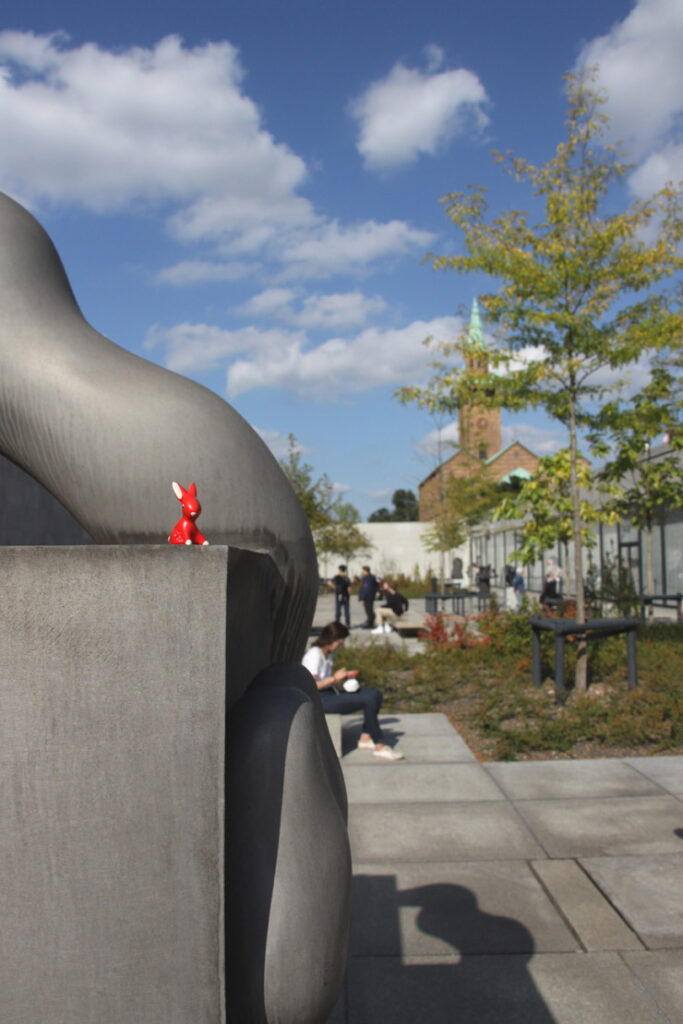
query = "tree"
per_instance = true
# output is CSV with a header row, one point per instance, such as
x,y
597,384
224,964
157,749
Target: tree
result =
x,y
332,521
545,504
638,486
341,535
405,509
568,303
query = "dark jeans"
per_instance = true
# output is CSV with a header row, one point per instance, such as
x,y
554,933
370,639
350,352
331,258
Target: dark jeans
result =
x,y
369,613
341,602
368,700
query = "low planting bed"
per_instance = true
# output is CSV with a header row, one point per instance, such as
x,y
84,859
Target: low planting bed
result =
x,y
479,674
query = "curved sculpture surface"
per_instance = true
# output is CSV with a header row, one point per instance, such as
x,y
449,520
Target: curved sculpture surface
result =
x,y
106,432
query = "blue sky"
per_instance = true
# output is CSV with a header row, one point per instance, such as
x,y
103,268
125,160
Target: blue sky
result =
x,y
244,192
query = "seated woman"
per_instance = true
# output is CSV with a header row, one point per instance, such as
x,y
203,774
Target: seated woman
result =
x,y
338,701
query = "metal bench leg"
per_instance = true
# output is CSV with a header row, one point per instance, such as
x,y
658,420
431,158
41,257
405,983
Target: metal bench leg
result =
x,y
536,656
559,663
631,656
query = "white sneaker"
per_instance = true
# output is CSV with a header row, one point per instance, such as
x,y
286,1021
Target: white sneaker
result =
x,y
377,630
387,628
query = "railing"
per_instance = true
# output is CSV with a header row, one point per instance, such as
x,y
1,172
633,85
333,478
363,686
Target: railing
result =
x,y
593,629
661,601
459,601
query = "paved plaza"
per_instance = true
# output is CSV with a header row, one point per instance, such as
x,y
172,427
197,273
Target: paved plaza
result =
x,y
531,892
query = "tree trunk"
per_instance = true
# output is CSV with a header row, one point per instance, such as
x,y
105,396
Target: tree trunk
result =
x,y
581,677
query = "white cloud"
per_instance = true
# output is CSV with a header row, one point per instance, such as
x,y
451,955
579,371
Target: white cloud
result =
x,y
539,440
171,125
194,347
341,488
350,309
284,358
333,249
168,123
440,443
641,68
374,358
277,442
658,169
197,271
642,71
412,112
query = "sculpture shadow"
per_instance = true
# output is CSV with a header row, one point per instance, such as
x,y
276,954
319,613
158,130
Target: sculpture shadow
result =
x,y
444,960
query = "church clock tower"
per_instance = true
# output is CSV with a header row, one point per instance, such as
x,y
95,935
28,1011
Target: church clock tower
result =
x,y
479,428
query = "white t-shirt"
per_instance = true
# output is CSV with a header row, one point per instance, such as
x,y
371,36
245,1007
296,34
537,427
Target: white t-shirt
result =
x,y
317,664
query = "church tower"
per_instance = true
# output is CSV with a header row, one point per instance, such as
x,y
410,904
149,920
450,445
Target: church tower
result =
x,y
479,428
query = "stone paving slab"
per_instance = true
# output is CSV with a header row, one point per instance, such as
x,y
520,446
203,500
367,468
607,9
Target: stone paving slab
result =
x,y
417,749
547,988
662,975
442,909
647,891
561,780
592,917
666,771
438,831
418,783
619,826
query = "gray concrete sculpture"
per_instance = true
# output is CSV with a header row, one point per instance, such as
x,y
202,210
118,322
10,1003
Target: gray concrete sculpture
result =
x,y
106,432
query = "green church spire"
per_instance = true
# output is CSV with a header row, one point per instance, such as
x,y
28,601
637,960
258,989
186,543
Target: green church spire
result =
x,y
475,334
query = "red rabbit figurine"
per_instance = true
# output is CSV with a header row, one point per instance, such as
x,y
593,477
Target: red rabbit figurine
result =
x,y
185,531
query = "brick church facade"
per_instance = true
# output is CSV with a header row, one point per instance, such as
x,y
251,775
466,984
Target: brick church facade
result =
x,y
480,434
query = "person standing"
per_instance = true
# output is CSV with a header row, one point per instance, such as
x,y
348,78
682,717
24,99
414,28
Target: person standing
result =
x,y
367,594
341,584
518,587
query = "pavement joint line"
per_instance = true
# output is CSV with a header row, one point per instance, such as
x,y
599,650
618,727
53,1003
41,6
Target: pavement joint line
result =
x,y
614,907
557,906
652,995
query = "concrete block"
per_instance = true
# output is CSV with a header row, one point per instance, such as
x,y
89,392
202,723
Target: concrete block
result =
x,y
437,909
383,833
612,827
419,783
562,780
592,917
647,891
662,975
112,723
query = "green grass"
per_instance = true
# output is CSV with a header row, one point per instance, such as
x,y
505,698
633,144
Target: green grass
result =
x,y
483,683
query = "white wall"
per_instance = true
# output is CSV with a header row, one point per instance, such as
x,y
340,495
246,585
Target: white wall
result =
x,y
396,547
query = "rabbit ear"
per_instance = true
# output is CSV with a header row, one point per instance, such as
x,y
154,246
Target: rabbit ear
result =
x,y
192,490
177,490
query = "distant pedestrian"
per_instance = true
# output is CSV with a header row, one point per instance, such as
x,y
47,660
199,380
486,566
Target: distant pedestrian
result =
x,y
394,606
341,584
366,595
518,587
551,584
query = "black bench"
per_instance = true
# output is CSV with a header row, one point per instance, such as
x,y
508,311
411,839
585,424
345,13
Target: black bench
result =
x,y
593,629
458,600
661,601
